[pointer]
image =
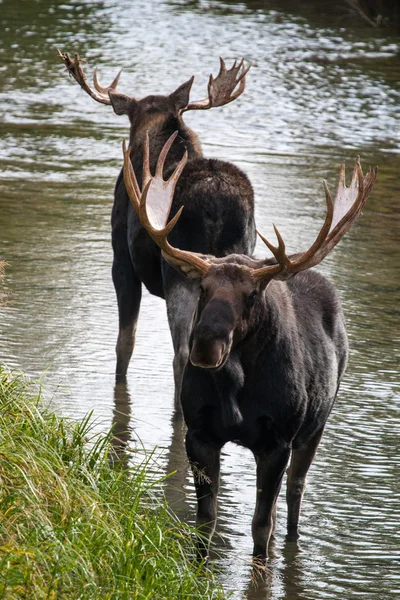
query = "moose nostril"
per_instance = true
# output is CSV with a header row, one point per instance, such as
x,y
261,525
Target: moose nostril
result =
x,y
208,355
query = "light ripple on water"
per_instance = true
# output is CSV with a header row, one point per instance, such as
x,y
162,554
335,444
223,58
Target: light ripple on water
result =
x,y
315,96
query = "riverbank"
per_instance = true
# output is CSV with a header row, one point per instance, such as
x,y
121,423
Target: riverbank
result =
x,y
71,526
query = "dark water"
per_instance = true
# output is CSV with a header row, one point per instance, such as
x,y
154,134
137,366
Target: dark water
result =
x,y
317,93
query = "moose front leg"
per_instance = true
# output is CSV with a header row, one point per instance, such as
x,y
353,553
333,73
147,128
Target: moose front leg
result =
x,y
204,459
270,470
181,297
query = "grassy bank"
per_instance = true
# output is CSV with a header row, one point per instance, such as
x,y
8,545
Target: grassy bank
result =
x,y
73,527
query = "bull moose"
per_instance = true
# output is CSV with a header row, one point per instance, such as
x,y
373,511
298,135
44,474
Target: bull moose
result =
x,y
268,349
218,199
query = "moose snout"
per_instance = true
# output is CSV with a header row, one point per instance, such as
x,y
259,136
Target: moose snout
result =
x,y
208,354
212,337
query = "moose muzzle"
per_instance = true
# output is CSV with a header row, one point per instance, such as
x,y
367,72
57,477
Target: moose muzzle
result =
x,y
208,354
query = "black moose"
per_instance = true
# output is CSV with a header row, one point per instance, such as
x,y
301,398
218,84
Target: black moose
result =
x,y
218,199
267,351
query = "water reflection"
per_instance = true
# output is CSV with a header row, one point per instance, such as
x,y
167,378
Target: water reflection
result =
x,y
317,93
286,575
121,424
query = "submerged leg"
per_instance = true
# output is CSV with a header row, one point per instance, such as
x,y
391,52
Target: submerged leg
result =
x,y
204,458
296,481
270,470
274,515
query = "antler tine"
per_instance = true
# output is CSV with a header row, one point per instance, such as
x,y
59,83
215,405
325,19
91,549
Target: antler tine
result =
x,y
163,154
178,170
357,171
221,89
74,67
342,176
146,175
245,70
96,83
130,180
222,67
278,252
341,214
102,89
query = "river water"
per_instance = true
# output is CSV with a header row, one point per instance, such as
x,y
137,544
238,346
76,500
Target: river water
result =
x,y
321,89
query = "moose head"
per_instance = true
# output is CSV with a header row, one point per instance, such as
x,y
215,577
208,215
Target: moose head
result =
x,y
156,110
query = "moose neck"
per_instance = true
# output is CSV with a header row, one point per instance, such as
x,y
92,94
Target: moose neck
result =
x,y
159,130
265,324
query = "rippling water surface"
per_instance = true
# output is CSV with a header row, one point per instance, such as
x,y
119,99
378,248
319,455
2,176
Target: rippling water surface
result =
x,y
319,91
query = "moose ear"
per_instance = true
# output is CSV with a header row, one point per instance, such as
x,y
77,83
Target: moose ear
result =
x,y
122,104
180,97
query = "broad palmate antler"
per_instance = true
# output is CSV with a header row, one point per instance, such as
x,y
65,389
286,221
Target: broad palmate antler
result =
x,y
221,89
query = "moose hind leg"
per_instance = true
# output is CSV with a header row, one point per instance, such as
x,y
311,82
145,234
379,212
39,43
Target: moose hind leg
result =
x,y
270,471
204,459
128,289
296,481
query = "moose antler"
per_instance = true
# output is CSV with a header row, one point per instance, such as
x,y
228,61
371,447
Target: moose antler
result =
x,y
74,67
221,89
341,214
153,205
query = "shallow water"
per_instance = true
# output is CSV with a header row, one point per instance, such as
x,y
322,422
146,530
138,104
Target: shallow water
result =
x,y
317,93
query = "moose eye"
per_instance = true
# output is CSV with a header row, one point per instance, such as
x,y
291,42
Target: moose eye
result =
x,y
202,291
251,298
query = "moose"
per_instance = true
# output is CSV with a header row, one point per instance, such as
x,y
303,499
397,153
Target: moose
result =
x,y
218,199
268,349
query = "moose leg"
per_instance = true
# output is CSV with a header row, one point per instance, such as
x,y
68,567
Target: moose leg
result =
x,y
274,515
129,293
296,481
181,298
270,470
204,459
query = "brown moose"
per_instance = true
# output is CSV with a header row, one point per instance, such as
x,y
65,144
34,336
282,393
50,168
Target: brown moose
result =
x,y
218,200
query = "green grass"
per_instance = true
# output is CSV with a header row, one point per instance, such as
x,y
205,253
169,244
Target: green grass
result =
x,y
73,527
